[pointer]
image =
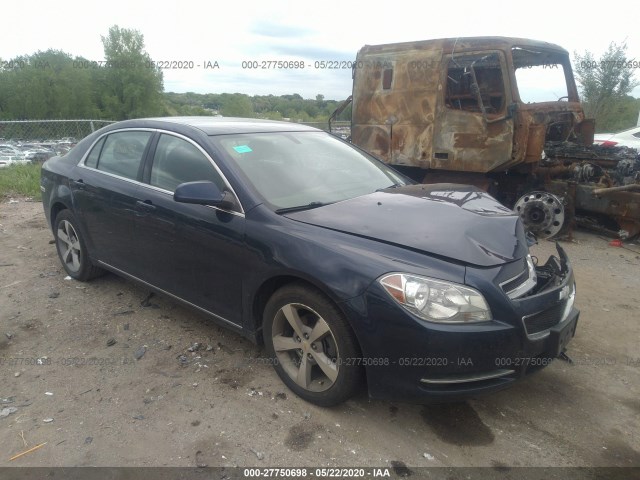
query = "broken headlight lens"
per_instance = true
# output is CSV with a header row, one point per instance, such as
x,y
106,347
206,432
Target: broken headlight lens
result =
x,y
437,300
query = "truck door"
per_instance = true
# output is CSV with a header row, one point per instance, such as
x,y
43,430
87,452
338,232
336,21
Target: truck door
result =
x,y
473,130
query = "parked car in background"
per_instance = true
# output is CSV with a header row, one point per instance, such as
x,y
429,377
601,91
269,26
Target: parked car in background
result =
x,y
626,138
8,160
345,270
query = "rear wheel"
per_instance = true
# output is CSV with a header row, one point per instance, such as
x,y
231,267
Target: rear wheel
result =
x,y
312,345
71,248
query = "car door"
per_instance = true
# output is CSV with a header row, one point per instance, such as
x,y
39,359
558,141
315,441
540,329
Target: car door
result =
x,y
194,252
104,192
464,137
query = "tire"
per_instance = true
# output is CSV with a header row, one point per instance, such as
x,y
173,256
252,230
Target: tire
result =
x,y
320,370
72,250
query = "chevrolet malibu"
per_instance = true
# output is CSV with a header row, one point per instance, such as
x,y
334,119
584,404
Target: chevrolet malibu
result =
x,y
348,273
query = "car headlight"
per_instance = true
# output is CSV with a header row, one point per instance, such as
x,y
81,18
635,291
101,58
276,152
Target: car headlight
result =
x,y
436,300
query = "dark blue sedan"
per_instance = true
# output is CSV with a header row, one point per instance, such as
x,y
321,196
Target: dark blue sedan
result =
x,y
347,271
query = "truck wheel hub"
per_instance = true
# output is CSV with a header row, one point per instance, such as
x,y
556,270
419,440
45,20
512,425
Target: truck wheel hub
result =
x,y
542,213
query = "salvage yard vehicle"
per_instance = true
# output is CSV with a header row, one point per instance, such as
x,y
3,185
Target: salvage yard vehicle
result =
x,y
499,113
626,138
345,269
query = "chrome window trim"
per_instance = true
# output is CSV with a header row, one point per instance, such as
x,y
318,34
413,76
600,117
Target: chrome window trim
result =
x,y
82,161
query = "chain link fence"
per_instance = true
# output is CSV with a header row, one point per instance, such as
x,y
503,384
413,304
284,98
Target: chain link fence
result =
x,y
25,141
16,131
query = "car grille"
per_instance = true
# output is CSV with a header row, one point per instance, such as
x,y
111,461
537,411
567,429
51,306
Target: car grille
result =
x,y
516,282
542,321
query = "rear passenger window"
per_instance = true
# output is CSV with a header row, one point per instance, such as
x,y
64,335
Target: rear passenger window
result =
x,y
92,159
122,153
177,161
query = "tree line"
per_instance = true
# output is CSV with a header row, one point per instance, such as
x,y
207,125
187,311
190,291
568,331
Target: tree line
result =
x,y
56,85
127,84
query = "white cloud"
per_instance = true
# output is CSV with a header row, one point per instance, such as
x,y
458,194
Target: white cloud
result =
x,y
258,30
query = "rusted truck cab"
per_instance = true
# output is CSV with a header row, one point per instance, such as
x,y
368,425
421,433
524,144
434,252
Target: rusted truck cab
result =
x,y
416,103
488,111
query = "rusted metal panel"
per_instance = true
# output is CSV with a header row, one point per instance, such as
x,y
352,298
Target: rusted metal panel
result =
x,y
453,105
396,123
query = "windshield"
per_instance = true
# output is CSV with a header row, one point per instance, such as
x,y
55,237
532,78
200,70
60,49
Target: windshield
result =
x,y
540,75
305,169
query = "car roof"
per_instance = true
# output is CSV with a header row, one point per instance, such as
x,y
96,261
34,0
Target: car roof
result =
x,y
219,125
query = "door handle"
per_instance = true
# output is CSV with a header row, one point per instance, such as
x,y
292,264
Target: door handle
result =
x,y
147,206
79,184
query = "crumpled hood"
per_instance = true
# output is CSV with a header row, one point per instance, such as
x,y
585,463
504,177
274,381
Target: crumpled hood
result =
x,y
459,222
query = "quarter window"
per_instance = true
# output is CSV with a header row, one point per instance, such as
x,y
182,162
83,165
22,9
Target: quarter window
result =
x,y
122,153
177,161
92,159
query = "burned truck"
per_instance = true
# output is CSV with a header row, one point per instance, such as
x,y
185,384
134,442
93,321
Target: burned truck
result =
x,y
499,113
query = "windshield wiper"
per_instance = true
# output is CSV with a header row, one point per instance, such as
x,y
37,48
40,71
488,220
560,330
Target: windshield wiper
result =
x,y
395,185
300,208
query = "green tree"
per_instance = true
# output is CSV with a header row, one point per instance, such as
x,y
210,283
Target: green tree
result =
x,y
131,85
236,105
46,85
605,83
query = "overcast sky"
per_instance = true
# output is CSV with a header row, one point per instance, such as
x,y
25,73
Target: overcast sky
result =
x,y
234,31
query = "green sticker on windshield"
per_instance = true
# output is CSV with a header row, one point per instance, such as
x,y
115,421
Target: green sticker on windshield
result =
x,y
242,149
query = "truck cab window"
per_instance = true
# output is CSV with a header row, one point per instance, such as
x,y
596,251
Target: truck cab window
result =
x,y
460,94
540,75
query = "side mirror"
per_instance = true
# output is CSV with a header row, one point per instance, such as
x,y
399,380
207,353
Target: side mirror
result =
x,y
204,193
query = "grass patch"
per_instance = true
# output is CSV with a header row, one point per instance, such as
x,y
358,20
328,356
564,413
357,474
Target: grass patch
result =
x,y
20,180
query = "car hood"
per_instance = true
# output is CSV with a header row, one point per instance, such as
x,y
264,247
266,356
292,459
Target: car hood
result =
x,y
459,222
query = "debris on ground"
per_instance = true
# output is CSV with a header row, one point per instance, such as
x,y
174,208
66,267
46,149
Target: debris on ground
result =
x,y
5,412
27,451
258,454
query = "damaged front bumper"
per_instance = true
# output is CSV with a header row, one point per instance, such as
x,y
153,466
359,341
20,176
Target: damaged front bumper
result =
x,y
437,362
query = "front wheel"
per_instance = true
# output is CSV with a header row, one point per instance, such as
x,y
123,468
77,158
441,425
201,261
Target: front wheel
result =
x,y
314,350
72,249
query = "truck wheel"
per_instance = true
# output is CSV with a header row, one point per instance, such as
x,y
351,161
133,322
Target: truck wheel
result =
x,y
542,213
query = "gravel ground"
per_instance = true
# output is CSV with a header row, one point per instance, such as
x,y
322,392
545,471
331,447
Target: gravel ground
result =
x,y
199,395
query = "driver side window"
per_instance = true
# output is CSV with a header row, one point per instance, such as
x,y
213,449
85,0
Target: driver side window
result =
x,y
177,161
460,93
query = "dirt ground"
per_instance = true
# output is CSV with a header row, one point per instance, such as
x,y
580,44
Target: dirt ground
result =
x,y
96,405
